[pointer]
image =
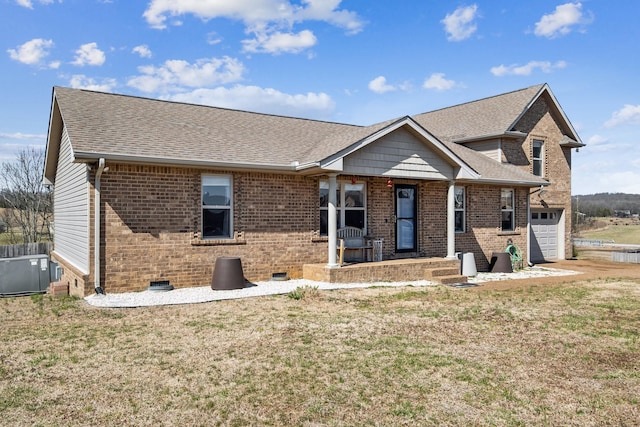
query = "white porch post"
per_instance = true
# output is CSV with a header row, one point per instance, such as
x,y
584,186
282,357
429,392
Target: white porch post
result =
x,y
332,222
451,221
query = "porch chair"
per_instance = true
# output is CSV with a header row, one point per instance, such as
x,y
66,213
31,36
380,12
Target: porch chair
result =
x,y
352,239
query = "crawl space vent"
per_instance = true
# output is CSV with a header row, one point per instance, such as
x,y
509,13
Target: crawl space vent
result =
x,y
160,285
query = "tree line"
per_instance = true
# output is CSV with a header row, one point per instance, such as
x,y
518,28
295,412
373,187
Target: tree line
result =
x,y
27,204
606,204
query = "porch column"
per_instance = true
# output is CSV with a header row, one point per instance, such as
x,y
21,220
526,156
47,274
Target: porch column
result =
x,y
332,223
451,221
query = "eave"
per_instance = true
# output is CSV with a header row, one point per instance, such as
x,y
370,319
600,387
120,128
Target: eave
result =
x,y
90,157
505,135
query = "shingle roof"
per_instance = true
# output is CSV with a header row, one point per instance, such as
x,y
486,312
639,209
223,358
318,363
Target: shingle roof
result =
x,y
104,124
118,126
489,116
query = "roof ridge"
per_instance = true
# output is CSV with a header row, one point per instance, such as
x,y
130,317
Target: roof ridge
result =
x,y
144,98
540,85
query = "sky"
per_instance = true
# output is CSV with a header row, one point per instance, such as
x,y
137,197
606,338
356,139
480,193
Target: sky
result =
x,y
349,61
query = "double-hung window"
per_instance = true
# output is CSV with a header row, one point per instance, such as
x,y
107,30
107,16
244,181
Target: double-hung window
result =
x,y
459,209
507,209
350,208
217,207
537,158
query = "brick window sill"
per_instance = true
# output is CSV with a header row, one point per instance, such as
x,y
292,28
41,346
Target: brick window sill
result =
x,y
509,233
237,239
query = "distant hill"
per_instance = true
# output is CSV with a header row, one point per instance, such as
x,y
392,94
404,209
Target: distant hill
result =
x,y
605,204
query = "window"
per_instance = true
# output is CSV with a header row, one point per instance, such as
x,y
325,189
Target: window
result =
x,y
507,208
538,157
459,208
217,211
351,205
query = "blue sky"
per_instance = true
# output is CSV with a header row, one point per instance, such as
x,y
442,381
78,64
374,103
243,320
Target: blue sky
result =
x,y
350,61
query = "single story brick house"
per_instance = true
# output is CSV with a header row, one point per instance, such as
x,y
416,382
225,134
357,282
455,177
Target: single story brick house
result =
x,y
148,190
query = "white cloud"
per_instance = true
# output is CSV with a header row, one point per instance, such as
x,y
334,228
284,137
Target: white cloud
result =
x,y
29,4
23,136
627,115
143,50
80,81
264,100
278,42
379,85
213,38
89,54
599,143
460,24
527,69
600,180
438,82
561,21
270,21
32,52
175,75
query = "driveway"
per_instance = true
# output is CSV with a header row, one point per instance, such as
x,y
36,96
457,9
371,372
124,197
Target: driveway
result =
x,y
587,269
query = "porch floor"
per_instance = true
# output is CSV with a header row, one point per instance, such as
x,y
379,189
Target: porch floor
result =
x,y
438,270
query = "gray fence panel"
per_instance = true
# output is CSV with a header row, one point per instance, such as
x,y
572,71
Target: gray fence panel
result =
x,y
14,251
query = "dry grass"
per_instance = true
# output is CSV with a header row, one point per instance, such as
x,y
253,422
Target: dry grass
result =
x,y
620,230
545,355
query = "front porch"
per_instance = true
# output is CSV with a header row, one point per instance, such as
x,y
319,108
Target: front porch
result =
x,y
438,270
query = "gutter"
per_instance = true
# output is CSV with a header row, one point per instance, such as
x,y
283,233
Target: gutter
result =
x,y
81,156
507,134
96,247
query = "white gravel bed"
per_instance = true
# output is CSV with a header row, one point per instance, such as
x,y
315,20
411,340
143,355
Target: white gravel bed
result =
x,y
206,294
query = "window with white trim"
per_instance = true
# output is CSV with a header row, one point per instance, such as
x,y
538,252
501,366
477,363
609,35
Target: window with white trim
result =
x,y
459,209
507,209
351,208
217,207
537,158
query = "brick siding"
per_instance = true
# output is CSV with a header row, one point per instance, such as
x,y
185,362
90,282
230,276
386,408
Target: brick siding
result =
x,y
151,224
540,123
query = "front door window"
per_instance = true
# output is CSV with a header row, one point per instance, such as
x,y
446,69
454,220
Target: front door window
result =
x,y
406,210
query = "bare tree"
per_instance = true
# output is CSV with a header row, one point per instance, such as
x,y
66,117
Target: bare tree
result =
x,y
27,201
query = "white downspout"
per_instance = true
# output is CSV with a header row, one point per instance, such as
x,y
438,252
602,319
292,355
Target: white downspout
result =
x,y
96,228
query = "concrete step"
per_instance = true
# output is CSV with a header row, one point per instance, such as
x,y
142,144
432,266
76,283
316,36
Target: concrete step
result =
x,y
447,280
434,273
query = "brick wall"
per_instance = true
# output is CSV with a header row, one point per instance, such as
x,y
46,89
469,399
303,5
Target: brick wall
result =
x,y
540,123
151,226
483,220
483,234
79,284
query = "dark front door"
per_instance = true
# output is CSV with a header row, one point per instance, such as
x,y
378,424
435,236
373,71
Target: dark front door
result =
x,y
406,214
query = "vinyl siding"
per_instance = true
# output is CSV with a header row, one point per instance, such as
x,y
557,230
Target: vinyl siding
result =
x,y
399,154
71,208
490,149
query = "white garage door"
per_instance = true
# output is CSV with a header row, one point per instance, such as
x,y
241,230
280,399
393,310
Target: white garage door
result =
x,y
544,235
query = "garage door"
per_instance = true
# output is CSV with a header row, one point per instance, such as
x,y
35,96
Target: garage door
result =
x,y
544,235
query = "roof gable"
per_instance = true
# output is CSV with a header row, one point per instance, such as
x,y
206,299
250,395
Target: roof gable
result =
x,y
428,145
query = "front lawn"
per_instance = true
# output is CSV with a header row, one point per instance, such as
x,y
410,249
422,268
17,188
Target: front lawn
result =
x,y
544,355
